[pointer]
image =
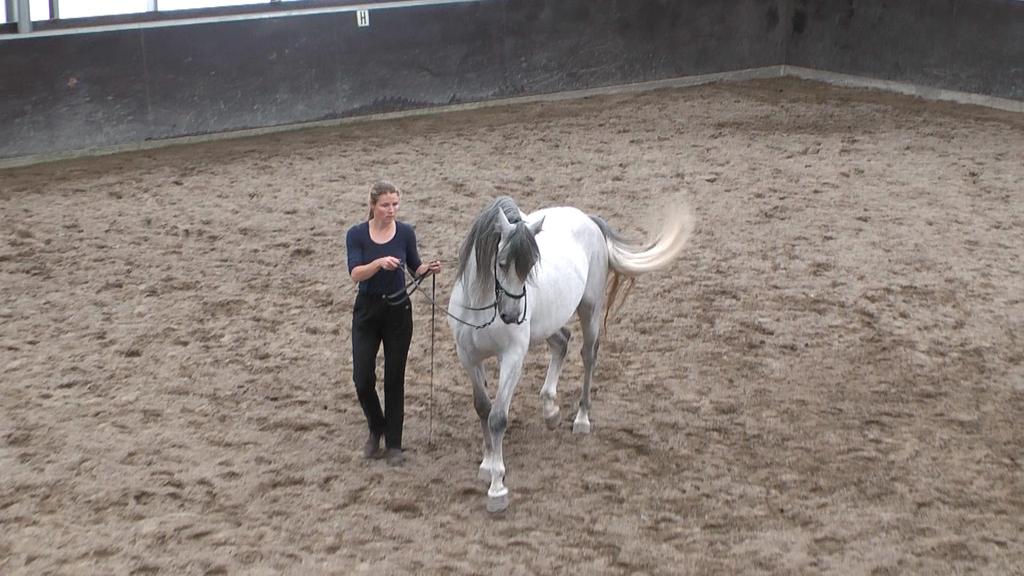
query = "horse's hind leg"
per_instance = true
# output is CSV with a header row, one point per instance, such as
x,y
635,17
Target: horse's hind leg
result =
x,y
559,345
591,324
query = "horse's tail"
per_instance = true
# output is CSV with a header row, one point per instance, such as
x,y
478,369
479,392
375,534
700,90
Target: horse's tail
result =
x,y
627,260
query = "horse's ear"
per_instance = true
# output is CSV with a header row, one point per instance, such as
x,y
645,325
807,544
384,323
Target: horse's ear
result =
x,y
502,224
536,226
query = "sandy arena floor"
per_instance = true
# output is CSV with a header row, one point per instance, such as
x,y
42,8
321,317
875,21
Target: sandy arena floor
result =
x,y
829,380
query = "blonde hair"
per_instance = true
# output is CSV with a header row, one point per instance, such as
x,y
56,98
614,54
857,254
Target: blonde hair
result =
x,y
379,189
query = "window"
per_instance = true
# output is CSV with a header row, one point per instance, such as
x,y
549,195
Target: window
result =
x,y
131,10
40,9
186,4
84,8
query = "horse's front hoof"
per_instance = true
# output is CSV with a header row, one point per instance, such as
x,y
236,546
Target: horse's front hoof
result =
x,y
497,503
497,498
552,420
581,427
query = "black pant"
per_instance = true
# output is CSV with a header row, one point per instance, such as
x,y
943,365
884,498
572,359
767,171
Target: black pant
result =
x,y
374,321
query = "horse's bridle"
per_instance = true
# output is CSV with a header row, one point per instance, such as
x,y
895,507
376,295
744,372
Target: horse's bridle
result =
x,y
499,291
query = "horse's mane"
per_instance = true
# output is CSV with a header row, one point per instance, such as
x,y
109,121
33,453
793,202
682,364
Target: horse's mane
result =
x,y
484,237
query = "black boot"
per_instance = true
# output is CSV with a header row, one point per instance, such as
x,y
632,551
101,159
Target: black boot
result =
x,y
394,456
372,451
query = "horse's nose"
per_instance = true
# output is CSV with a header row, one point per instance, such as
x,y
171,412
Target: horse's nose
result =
x,y
508,318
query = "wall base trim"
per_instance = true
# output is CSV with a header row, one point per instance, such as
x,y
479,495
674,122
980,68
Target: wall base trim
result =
x,y
924,92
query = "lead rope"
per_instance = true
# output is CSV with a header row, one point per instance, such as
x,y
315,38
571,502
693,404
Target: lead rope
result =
x,y
430,433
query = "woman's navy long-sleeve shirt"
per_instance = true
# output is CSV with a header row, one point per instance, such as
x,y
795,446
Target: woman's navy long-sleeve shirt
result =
x,y
363,250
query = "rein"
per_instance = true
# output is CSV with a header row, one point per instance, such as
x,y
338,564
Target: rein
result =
x,y
402,295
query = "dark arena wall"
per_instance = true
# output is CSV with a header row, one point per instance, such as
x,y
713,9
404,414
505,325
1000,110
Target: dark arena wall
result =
x,y
974,46
121,86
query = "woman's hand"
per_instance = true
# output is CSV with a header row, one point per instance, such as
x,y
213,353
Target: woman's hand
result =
x,y
367,271
388,262
432,267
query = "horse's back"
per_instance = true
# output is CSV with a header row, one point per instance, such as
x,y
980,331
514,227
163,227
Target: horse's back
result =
x,y
566,220
572,250
570,231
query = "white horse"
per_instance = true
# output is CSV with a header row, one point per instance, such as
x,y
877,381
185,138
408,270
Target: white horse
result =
x,y
533,272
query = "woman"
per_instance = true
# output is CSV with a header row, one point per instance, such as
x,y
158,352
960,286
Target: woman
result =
x,y
377,251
